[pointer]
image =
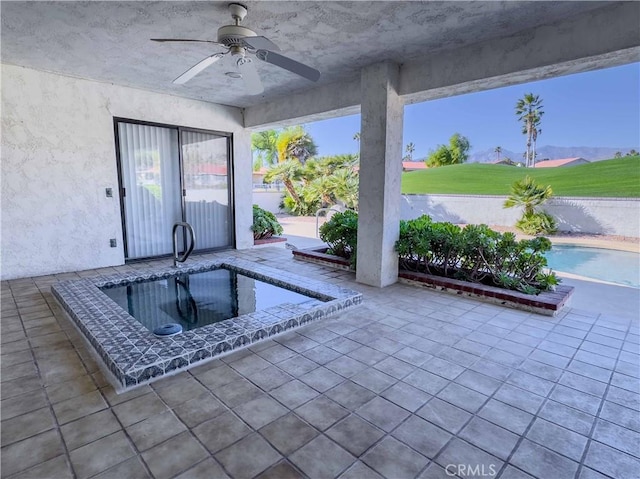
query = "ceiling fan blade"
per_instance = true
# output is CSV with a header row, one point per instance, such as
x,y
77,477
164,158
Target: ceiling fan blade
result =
x,y
260,43
197,68
288,64
184,40
250,76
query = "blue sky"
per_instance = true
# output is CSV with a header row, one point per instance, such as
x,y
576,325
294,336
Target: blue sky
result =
x,y
599,108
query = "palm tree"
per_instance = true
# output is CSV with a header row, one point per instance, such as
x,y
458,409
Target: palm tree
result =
x,y
529,112
319,187
257,164
344,186
527,194
331,178
342,161
410,149
288,172
295,143
534,137
498,151
530,196
263,144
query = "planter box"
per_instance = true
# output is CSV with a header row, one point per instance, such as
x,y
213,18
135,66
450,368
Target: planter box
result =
x,y
548,303
319,256
271,240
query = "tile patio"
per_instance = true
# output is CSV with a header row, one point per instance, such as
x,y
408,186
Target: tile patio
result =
x,y
403,386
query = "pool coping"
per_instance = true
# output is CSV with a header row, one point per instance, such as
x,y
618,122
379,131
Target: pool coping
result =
x,y
134,356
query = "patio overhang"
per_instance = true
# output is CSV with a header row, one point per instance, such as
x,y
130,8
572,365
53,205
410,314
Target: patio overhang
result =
x,y
596,39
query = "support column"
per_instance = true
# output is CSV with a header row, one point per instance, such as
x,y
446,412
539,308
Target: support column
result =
x,y
243,189
380,173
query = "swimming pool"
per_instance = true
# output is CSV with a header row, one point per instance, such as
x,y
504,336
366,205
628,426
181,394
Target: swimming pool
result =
x,y
130,355
620,267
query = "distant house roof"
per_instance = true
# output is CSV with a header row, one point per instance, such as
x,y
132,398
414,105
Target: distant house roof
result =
x,y
561,162
413,165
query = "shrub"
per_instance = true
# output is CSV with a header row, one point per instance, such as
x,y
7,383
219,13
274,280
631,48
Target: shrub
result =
x,y
539,222
455,153
265,224
341,234
304,207
475,253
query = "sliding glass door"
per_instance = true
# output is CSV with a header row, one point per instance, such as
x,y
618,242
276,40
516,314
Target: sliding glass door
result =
x,y
169,175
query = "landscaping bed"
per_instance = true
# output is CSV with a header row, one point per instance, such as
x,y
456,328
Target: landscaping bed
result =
x,y
269,240
320,256
548,303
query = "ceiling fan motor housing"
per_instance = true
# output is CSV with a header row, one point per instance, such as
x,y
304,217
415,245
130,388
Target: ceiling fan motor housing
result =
x,y
231,35
238,11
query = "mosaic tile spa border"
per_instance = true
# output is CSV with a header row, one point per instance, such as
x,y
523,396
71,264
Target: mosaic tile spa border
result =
x,y
133,356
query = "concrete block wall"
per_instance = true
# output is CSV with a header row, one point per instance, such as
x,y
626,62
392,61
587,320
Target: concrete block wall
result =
x,y
607,216
268,200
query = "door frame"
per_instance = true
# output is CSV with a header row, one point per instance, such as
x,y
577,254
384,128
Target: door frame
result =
x,y
179,129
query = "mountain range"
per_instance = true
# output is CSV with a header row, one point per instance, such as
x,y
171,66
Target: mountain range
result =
x,y
590,153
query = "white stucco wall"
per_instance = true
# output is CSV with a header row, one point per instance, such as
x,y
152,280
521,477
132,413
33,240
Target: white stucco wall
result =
x,y
268,200
58,156
610,216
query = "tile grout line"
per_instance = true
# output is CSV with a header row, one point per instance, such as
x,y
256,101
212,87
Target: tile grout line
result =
x,y
322,394
192,434
473,416
455,435
546,399
353,412
238,417
590,438
57,426
109,407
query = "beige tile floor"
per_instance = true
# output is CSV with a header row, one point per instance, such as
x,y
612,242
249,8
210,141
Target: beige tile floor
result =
x,y
412,383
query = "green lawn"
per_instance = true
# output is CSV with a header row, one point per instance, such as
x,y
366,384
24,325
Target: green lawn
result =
x,y
612,178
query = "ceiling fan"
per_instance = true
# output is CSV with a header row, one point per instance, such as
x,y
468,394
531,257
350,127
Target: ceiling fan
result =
x,y
242,43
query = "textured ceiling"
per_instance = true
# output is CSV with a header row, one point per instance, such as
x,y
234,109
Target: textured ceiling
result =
x,y
109,41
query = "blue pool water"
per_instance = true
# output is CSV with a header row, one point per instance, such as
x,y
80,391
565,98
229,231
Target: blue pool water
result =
x,y
621,267
198,299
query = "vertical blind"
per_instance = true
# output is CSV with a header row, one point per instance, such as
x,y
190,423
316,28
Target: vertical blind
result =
x,y
206,181
151,178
